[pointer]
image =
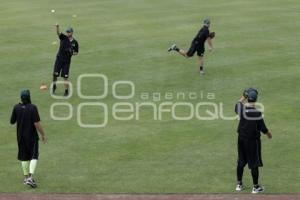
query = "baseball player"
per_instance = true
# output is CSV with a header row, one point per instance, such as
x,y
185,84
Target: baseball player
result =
x,y
68,47
198,45
26,115
250,126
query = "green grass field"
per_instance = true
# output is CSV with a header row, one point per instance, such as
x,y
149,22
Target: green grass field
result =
x,y
257,44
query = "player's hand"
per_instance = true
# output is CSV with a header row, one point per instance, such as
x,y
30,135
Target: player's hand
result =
x,y
44,139
269,135
243,99
210,49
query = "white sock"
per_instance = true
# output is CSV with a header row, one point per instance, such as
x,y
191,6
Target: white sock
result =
x,y
32,166
25,166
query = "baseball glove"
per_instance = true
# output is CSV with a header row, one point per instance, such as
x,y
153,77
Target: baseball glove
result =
x,y
212,35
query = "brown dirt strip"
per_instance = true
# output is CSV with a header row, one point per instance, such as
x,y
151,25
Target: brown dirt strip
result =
x,y
147,197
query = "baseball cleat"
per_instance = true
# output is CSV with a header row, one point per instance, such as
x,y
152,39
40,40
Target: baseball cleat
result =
x,y
202,72
239,187
257,189
31,182
172,48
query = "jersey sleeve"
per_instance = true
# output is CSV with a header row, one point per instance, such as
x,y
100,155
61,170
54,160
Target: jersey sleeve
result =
x,y
239,109
206,33
261,125
13,118
35,115
62,36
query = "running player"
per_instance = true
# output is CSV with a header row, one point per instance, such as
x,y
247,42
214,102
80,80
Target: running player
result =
x,y
198,45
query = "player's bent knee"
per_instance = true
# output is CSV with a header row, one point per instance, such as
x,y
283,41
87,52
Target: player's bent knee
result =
x,y
188,55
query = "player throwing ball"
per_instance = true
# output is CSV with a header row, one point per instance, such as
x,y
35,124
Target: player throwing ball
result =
x,y
68,47
198,45
249,145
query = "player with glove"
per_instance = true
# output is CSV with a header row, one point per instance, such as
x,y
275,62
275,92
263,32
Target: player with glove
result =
x,y
198,45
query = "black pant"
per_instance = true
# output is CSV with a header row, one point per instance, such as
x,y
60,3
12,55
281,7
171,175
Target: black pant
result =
x,y
28,150
61,68
249,152
196,48
254,173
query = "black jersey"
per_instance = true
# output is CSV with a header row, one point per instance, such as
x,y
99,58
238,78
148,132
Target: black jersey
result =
x,y
251,122
201,36
25,115
67,48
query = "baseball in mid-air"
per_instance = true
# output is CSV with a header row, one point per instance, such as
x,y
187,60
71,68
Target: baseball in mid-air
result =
x,y
53,11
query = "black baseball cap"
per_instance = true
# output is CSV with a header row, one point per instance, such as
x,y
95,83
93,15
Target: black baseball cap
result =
x,y
251,94
69,30
206,21
25,96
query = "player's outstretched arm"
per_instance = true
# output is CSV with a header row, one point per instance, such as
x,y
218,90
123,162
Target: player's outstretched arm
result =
x,y
40,129
209,40
57,29
210,45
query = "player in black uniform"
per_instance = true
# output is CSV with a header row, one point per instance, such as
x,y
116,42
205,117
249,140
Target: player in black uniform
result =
x,y
68,47
27,118
198,44
249,145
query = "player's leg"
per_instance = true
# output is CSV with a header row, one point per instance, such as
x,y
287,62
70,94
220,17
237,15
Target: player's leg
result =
x,y
239,173
201,64
182,52
200,55
255,161
23,157
241,163
65,75
34,158
32,168
66,83
255,175
25,168
56,72
34,148
25,153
